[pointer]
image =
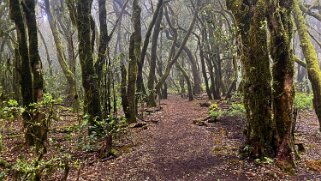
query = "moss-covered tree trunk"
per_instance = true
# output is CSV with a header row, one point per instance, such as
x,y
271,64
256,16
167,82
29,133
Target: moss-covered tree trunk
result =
x,y
140,82
68,73
37,127
134,58
152,73
281,27
103,40
314,72
188,81
173,59
24,62
30,70
89,78
195,71
202,58
26,81
251,18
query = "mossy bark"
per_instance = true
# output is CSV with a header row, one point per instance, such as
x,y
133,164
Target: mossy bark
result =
x,y
202,58
251,18
281,27
134,57
31,70
103,40
24,62
188,81
173,59
37,127
24,65
152,73
123,89
89,78
68,73
314,72
140,82
195,71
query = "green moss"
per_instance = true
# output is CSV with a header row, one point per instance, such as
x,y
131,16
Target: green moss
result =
x,y
310,54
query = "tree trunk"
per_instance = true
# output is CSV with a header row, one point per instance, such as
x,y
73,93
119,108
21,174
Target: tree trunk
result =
x,y
173,59
188,81
281,27
103,40
257,88
202,58
71,81
140,82
152,73
134,57
24,66
89,78
31,70
314,72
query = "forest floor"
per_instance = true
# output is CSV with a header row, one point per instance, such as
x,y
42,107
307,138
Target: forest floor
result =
x,y
171,147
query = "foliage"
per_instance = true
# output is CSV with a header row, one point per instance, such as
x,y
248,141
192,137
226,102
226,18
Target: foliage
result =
x,y
237,109
38,168
214,107
11,110
216,114
114,126
303,101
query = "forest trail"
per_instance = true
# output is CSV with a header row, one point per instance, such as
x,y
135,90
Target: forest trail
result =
x,y
172,149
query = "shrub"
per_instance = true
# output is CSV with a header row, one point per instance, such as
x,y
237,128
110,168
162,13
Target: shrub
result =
x,y
237,109
11,110
303,101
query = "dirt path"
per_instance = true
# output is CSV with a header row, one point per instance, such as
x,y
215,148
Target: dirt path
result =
x,y
173,149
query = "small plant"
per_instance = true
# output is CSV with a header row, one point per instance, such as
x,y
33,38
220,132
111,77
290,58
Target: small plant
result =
x,y
213,107
237,109
303,101
11,110
113,126
38,169
215,112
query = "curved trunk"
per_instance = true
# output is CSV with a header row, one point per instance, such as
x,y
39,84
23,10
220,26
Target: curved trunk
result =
x,y
314,72
152,73
202,58
173,60
61,54
140,83
188,81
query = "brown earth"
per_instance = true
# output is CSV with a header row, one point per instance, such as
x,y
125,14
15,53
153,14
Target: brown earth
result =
x,y
171,147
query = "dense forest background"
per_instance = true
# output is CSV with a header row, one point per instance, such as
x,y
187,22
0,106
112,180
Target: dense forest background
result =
x,y
86,84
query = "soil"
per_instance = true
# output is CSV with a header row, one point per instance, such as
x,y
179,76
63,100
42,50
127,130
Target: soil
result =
x,y
170,147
